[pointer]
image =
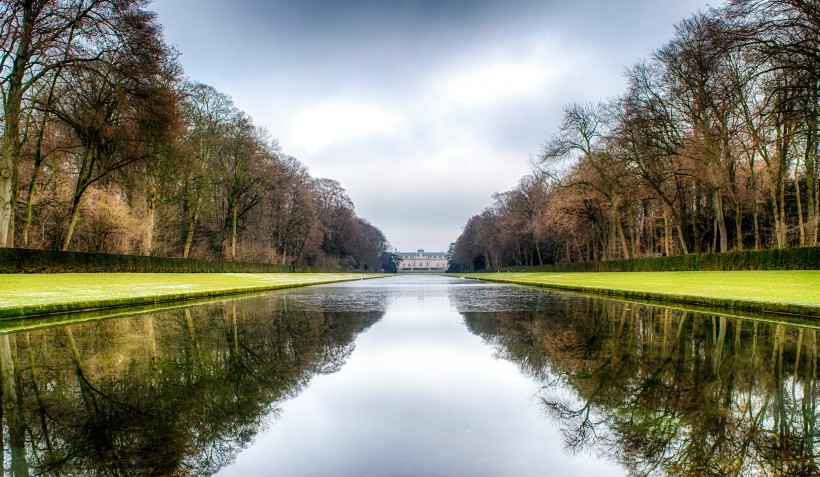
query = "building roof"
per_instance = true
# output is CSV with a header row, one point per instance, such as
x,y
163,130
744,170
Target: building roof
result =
x,y
421,254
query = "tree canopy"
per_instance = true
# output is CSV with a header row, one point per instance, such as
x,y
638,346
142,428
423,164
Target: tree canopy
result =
x,y
109,147
712,147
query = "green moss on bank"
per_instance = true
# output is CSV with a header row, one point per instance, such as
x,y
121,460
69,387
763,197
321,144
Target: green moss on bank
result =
x,y
39,294
792,292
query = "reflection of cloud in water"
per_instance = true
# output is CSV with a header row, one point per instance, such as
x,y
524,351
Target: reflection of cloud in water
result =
x,y
342,301
476,297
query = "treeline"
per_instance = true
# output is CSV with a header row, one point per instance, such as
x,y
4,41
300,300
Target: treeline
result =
x,y
108,147
712,147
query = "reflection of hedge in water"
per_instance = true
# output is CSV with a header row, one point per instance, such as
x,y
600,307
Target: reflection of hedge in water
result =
x,y
176,393
669,392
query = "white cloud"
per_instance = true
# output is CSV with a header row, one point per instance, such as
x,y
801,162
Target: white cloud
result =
x,y
331,122
494,82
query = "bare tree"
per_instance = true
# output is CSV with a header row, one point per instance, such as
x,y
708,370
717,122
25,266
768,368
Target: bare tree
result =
x,y
207,113
579,149
39,37
117,110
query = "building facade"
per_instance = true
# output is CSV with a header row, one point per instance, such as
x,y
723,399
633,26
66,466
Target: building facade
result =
x,y
421,261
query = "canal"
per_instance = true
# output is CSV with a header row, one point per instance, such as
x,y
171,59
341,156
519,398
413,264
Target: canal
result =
x,y
410,376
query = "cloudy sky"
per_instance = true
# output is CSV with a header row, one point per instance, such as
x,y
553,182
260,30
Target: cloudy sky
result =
x,y
420,108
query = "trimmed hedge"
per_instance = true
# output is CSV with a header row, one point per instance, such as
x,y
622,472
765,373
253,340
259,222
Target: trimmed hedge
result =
x,y
799,258
19,260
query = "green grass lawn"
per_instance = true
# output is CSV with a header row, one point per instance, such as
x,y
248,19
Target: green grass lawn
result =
x,y
28,294
779,291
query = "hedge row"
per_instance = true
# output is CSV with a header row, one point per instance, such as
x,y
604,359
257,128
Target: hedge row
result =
x,y
802,258
18,260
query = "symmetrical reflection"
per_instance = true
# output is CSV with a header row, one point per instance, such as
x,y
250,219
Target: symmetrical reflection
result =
x,y
662,391
172,393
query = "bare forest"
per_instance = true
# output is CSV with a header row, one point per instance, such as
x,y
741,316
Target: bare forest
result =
x,y
108,147
712,147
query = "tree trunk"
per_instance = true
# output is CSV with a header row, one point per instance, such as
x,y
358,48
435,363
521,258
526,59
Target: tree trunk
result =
x,y
697,220
10,241
79,189
301,247
8,167
799,200
622,237
38,152
752,184
679,225
596,257
229,230
150,213
38,162
667,231
189,237
72,223
815,230
777,181
738,226
233,231
756,216
284,241
784,239
720,220
810,166
811,192
13,102
38,159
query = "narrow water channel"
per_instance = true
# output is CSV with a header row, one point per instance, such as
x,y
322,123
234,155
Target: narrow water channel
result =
x,y
410,376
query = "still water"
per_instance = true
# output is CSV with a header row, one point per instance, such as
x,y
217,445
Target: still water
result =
x,y
411,376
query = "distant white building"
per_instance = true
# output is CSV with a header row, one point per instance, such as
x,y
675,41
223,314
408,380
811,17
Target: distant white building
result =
x,y
422,261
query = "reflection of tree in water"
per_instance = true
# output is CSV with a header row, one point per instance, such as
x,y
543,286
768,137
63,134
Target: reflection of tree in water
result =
x,y
173,393
668,392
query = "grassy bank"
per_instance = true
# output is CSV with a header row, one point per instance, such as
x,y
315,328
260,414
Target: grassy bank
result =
x,y
38,294
794,292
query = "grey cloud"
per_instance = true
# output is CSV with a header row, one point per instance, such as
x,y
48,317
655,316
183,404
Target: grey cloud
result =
x,y
277,58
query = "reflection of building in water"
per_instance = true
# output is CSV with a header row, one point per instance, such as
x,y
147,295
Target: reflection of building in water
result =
x,y
422,261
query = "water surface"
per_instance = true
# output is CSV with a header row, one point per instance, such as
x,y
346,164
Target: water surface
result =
x,y
412,375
